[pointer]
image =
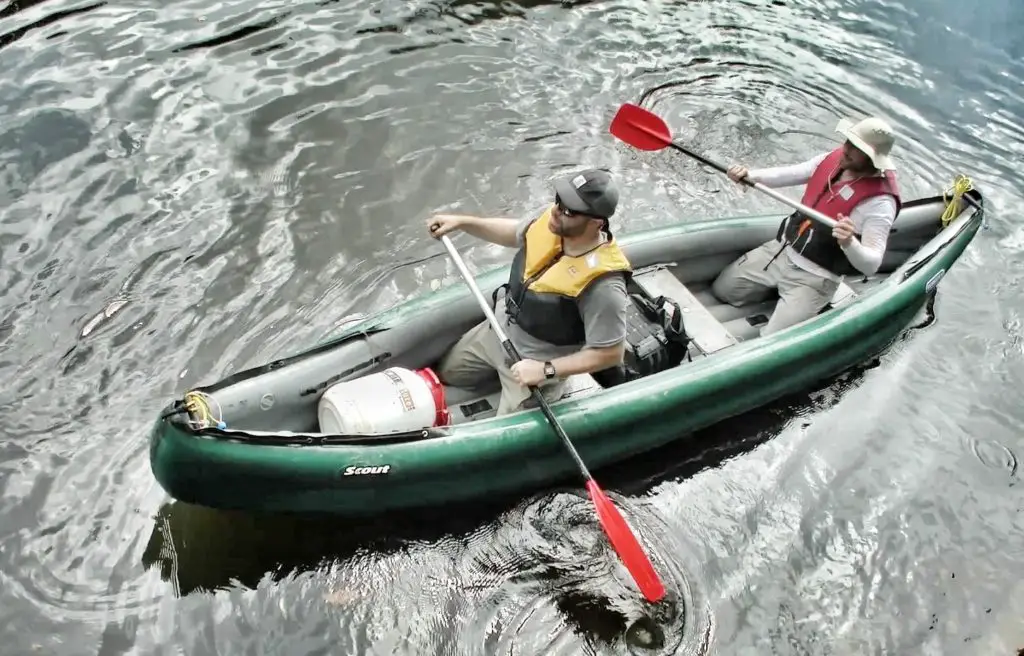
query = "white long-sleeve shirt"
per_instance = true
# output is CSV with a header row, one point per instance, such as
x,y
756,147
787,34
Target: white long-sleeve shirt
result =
x,y
872,218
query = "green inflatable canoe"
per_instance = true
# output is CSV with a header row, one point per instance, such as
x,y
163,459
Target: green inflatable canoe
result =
x,y
356,425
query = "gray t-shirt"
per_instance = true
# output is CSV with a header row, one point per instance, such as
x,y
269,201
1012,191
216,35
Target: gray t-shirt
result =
x,y
602,306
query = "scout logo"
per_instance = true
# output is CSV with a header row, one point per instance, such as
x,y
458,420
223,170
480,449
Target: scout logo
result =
x,y
353,470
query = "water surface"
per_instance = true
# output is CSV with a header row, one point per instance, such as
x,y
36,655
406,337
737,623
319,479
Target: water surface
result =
x,y
195,188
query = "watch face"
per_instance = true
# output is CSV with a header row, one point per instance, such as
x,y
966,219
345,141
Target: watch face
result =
x,y
549,369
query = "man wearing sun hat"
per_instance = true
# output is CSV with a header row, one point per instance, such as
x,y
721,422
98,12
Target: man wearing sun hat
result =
x,y
565,304
854,184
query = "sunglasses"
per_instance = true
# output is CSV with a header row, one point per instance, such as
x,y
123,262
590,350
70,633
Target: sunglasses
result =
x,y
565,211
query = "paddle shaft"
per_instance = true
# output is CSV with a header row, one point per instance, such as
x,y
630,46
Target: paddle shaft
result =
x,y
511,350
776,195
803,209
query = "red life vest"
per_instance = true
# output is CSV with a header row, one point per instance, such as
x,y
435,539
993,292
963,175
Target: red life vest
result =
x,y
813,239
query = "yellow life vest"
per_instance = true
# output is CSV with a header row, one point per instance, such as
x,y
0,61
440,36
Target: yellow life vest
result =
x,y
545,283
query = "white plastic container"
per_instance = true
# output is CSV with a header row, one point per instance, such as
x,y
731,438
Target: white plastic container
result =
x,y
391,401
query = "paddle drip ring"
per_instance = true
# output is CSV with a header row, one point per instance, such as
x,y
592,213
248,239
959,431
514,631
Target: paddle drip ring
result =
x,y
645,633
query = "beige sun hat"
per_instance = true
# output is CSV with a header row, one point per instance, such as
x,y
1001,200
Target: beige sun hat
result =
x,y
873,136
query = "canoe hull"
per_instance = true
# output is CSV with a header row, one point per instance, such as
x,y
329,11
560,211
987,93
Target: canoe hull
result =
x,y
519,454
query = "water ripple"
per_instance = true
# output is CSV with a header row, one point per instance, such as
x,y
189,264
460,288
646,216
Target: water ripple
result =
x,y
193,188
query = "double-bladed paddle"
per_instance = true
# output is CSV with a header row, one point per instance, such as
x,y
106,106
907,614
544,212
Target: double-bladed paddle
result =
x,y
646,131
614,525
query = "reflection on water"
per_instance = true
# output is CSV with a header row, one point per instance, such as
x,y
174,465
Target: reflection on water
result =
x,y
193,188
543,565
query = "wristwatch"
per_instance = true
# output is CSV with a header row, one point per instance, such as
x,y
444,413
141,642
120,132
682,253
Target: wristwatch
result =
x,y
549,370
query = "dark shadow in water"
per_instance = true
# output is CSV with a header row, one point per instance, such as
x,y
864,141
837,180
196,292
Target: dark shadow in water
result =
x,y
45,138
200,549
13,8
473,12
467,12
18,5
234,35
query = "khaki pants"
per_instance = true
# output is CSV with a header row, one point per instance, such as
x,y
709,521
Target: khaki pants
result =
x,y
801,294
478,357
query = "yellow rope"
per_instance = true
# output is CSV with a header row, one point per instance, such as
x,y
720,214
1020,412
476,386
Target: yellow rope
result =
x,y
961,185
196,403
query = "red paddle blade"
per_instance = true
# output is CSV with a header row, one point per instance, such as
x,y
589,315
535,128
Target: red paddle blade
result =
x,y
626,545
640,128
